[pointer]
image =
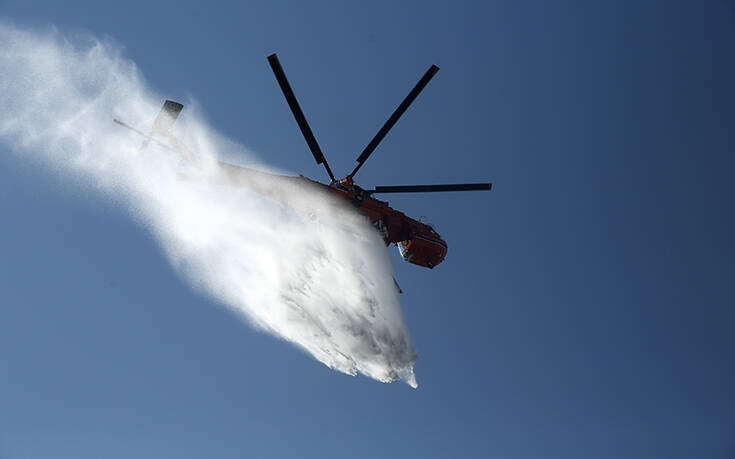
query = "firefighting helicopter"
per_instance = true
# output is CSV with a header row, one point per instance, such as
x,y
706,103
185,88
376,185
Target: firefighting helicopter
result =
x,y
418,242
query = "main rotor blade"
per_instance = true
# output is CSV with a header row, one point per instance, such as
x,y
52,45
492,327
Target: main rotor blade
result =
x,y
394,117
429,188
298,114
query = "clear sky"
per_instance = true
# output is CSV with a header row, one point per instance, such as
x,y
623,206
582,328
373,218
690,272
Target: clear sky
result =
x,y
585,308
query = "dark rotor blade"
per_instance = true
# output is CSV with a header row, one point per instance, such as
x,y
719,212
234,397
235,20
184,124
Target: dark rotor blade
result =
x,y
298,114
394,117
429,188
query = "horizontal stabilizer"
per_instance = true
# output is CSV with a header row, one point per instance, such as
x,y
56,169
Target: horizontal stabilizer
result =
x,y
166,118
147,139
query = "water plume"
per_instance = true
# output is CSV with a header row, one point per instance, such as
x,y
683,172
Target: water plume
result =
x,y
290,260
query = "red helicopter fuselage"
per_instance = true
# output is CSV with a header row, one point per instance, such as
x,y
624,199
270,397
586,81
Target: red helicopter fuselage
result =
x,y
418,242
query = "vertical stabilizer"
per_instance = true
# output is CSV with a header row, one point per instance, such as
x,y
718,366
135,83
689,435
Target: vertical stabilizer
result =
x,y
166,118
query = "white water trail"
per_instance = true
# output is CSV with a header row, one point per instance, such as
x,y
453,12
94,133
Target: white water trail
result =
x,y
294,264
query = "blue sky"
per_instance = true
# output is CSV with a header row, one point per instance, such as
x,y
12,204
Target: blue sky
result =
x,y
585,308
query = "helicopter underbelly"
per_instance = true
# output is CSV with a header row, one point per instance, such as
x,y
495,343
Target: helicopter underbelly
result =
x,y
423,250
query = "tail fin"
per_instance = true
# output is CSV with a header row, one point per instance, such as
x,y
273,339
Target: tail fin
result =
x,y
166,118
162,126
163,122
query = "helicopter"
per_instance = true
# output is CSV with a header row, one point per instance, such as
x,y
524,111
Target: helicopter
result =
x,y
417,242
